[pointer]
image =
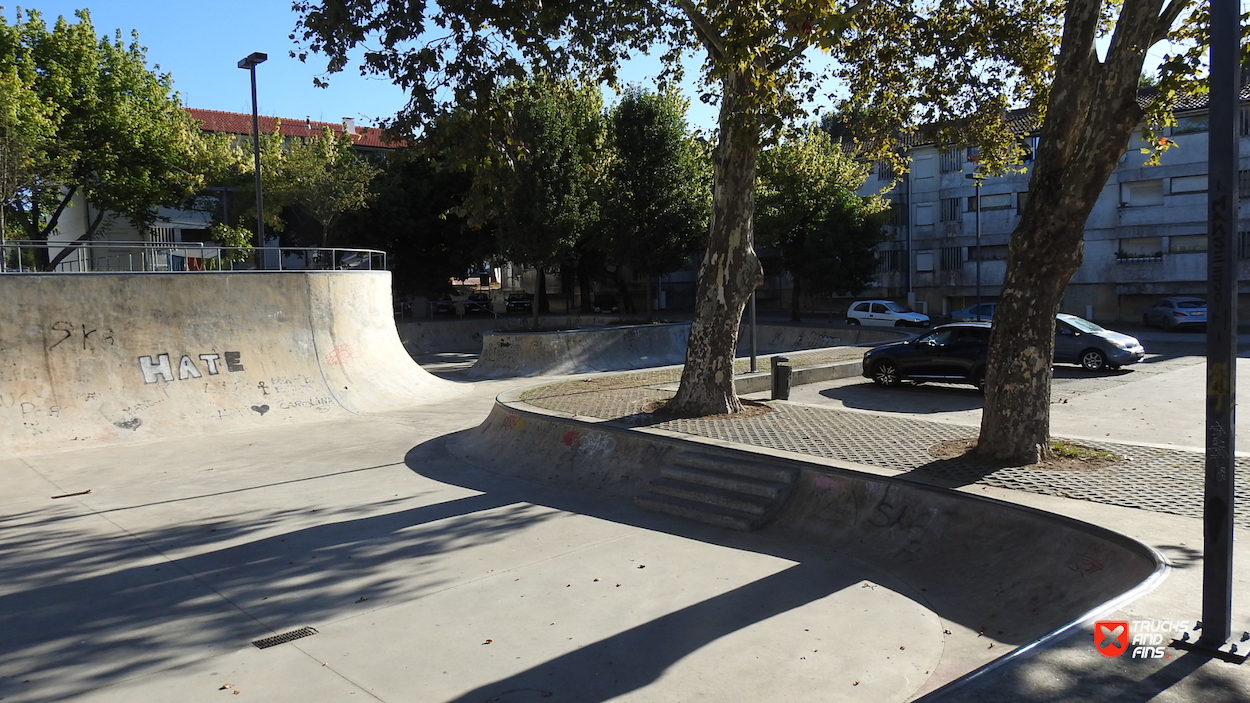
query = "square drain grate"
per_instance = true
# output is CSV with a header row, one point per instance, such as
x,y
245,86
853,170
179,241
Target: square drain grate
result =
x,y
267,642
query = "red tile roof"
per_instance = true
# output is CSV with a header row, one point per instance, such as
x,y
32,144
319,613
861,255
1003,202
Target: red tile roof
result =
x,y
241,123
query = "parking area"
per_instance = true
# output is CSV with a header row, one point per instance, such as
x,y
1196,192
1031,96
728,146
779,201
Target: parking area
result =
x,y
1159,401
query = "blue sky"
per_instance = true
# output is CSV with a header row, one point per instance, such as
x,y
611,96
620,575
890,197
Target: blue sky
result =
x,y
200,45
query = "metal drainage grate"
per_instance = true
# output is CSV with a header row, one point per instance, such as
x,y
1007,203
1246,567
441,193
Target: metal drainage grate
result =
x,y
283,638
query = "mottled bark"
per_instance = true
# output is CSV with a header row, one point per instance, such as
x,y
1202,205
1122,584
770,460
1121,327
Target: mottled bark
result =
x,y
730,270
1091,115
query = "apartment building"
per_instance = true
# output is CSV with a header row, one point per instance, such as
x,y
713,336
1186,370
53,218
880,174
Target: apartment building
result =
x,y
1145,238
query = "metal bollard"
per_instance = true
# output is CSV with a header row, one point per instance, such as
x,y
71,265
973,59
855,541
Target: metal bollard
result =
x,y
782,373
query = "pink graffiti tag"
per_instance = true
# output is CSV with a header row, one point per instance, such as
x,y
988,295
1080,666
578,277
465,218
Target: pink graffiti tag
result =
x,y
513,422
341,354
571,439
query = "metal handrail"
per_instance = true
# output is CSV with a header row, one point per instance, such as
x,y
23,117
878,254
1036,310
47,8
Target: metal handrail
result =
x,y
21,256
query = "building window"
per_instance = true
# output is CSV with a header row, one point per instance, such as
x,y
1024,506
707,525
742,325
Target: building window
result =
x,y
1243,183
974,154
1022,199
1191,124
885,170
924,261
1140,248
950,209
890,260
924,214
1187,244
989,252
1243,245
1245,122
1189,184
950,160
898,213
1141,193
1029,145
952,258
994,201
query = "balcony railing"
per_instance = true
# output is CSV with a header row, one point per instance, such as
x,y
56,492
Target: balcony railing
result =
x,y
23,256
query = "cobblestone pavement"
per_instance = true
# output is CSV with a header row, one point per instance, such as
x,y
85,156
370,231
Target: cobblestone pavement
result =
x,y
1155,479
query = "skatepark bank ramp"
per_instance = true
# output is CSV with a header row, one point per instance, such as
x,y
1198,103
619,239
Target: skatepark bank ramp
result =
x,y
105,358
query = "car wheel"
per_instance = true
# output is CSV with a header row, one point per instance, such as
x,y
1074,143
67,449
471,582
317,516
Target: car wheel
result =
x,y
900,323
885,374
1093,360
978,380
852,321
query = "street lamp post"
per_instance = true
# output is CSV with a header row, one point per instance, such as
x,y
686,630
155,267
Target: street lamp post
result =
x,y
250,62
976,179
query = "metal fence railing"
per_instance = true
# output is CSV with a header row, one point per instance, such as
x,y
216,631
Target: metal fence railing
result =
x,y
24,256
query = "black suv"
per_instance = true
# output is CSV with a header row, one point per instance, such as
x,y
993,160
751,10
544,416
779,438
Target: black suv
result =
x,y
952,353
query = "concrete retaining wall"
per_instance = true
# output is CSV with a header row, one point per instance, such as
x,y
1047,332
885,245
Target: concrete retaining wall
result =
x,y
511,354
1011,572
102,358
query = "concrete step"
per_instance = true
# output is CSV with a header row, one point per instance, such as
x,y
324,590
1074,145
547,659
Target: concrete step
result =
x,y
701,512
733,500
720,464
772,490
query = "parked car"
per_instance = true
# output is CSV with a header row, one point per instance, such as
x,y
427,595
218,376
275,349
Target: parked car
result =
x,y
984,311
605,304
519,302
953,353
1079,341
443,305
884,313
477,304
1178,311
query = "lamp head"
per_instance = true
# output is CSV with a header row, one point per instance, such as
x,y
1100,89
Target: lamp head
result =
x,y
252,60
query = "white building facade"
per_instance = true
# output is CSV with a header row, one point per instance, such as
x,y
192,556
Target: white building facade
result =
x,y
1146,237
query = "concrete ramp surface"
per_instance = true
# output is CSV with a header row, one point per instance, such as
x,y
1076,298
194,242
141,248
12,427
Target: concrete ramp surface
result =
x,y
104,358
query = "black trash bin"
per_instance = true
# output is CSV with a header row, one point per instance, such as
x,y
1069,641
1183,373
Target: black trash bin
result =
x,y
782,374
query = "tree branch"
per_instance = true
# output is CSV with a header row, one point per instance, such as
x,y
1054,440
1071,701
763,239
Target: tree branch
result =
x,y
803,45
703,27
1167,18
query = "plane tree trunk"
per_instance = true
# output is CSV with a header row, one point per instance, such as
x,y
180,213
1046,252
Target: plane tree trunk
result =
x,y
1091,114
730,270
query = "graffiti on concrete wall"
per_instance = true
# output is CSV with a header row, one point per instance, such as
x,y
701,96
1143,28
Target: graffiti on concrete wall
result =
x,y
81,334
162,368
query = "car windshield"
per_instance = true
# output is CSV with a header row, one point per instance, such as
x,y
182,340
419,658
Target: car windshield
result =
x,y
1082,324
1190,304
895,307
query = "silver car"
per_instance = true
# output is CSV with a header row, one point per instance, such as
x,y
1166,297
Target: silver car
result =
x,y
1178,311
984,311
1079,341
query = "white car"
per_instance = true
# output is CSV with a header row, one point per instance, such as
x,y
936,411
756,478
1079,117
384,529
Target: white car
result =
x,y
884,313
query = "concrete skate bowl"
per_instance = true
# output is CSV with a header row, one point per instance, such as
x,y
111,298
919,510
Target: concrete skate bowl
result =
x,y
507,354
104,358
1000,578
422,337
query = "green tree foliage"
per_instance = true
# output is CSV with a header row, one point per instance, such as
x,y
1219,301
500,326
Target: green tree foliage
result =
x,y
656,198
321,178
456,54
1085,105
119,136
414,216
27,126
806,206
535,153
